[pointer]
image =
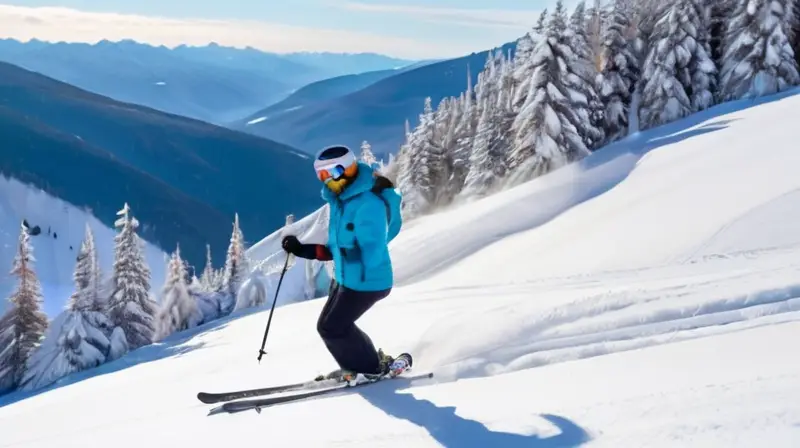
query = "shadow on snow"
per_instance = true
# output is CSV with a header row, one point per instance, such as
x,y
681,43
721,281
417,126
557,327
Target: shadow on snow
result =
x,y
451,430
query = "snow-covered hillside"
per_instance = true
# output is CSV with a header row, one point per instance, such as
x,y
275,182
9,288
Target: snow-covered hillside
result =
x,y
62,229
647,296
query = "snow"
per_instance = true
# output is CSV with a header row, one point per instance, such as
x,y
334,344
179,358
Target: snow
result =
x,y
55,261
646,296
257,120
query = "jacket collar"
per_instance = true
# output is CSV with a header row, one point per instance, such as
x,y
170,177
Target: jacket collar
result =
x,y
362,183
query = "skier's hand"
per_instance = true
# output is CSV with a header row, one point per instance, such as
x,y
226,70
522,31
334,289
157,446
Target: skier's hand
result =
x,y
292,245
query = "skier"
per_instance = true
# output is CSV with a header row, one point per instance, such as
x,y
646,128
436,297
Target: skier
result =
x,y
364,217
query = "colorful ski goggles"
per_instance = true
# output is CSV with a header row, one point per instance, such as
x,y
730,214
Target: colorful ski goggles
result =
x,y
332,173
332,162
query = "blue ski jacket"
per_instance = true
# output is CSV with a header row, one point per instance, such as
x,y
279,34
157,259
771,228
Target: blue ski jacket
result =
x,y
362,223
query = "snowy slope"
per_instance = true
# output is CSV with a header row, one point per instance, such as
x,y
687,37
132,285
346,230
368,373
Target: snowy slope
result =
x,y
55,257
649,296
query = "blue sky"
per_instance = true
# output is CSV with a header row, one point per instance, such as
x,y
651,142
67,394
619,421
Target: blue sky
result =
x,y
404,28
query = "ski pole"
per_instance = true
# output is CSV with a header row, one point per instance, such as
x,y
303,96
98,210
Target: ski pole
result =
x,y
274,301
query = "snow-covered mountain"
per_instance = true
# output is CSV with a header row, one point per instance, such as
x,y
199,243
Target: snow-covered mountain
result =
x,y
376,112
62,227
645,296
212,83
184,178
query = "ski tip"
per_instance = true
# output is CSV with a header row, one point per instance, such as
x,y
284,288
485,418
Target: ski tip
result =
x,y
216,410
205,397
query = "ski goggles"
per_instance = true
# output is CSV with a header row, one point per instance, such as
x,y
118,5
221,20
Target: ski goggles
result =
x,y
332,162
330,173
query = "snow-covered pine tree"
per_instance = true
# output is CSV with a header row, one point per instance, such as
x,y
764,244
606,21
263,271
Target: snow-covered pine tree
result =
x,y
24,323
463,136
367,156
666,70
596,23
541,23
253,292
645,15
392,169
794,36
479,177
619,72
236,269
82,339
488,159
720,13
92,284
179,310
84,276
757,57
582,78
130,307
89,296
421,173
702,68
522,70
210,278
414,203
436,154
545,136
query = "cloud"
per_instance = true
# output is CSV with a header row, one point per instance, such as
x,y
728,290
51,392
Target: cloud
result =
x,y
489,18
70,25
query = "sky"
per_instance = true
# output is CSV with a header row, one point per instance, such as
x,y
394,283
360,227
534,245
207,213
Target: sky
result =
x,y
411,29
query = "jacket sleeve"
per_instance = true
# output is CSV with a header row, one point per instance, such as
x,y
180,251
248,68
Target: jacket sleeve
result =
x,y
315,252
370,232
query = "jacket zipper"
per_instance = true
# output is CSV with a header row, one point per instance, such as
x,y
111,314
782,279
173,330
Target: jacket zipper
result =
x,y
341,254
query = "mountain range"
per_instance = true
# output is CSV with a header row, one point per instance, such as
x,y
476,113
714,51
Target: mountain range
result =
x,y
212,83
183,177
322,91
376,113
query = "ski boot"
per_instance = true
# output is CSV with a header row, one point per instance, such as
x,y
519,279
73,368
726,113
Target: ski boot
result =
x,y
399,365
337,374
389,367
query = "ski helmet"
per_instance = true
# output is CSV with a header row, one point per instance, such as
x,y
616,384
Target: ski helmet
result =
x,y
335,163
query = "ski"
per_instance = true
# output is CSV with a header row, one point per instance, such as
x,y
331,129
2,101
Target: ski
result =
x,y
404,362
211,398
259,403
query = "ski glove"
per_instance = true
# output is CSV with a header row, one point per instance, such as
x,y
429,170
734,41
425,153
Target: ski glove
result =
x,y
319,252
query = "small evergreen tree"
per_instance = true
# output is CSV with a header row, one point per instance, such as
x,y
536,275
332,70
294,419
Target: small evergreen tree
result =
x,y
236,269
81,341
179,310
367,156
24,323
209,279
130,307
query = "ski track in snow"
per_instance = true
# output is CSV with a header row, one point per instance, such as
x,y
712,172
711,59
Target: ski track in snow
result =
x,y
584,323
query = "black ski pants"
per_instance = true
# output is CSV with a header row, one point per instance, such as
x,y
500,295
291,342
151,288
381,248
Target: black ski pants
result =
x,y
351,348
